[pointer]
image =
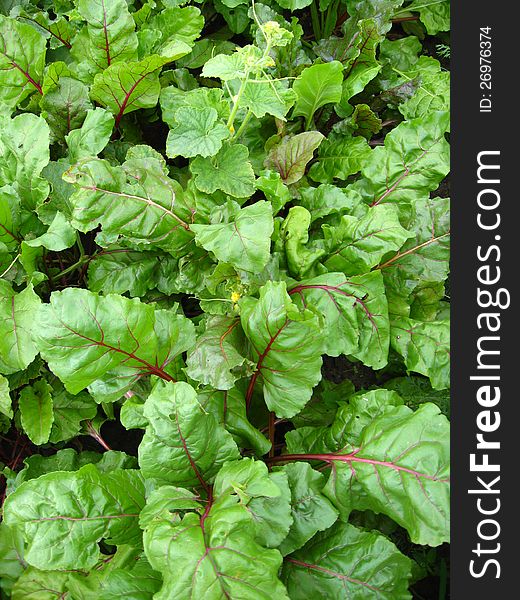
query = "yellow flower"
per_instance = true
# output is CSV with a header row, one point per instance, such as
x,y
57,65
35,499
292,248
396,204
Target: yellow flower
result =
x,y
235,297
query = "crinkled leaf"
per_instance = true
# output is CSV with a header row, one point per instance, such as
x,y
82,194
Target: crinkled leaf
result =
x,y
229,171
59,235
338,159
137,201
183,445
348,562
84,337
424,347
63,515
92,137
245,242
355,314
125,87
198,132
22,60
5,398
285,344
311,510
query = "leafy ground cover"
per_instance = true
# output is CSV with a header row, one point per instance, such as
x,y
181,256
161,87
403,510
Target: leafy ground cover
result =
x,y
224,313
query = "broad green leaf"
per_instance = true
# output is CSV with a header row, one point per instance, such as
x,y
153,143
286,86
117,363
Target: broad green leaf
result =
x,y
339,158
5,399
399,467
198,132
213,555
245,242
183,445
17,317
424,347
230,408
434,14
411,164
37,416
433,92
22,60
92,137
327,199
108,38
271,184
59,236
137,201
36,584
317,86
357,245
355,314
380,11
118,270
424,257
171,33
199,99
217,358
311,510
84,337
266,97
294,232
347,562
229,171
285,344
69,412
293,4
65,106
291,155
323,406
24,152
125,87
10,214
63,515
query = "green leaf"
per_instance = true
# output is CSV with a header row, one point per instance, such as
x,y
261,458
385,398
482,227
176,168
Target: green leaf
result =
x,y
387,459
357,245
434,14
198,133
424,347
354,312
12,564
108,38
416,391
125,87
229,171
270,183
59,236
317,86
291,155
17,317
338,159
92,137
136,201
411,164
84,337
35,584
69,412
22,60
217,358
244,243
266,97
63,515
171,33
65,106
285,344
213,554
183,445
328,199
311,510
117,270
424,257
35,404
5,399
348,562
24,152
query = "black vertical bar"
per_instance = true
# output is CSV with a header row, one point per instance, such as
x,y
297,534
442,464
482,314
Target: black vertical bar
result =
x,y
485,128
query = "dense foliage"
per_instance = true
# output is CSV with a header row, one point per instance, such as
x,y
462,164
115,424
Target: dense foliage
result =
x,y
201,203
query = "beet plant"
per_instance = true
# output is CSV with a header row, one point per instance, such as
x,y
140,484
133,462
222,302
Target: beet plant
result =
x,y
224,320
